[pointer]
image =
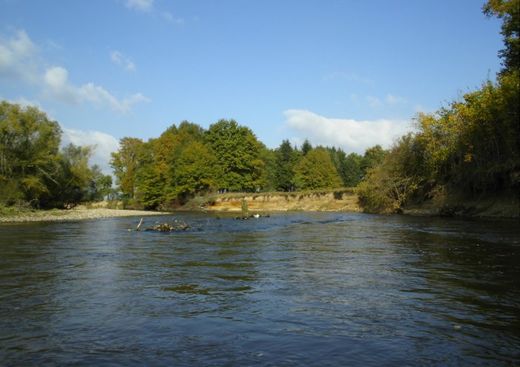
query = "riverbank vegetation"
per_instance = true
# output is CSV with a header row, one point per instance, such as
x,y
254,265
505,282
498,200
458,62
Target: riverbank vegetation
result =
x,y
164,172
188,160
467,150
35,172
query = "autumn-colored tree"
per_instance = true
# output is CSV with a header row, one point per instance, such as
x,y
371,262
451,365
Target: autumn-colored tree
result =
x,y
125,163
316,171
470,148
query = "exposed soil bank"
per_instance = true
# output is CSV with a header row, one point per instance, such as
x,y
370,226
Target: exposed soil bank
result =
x,y
340,200
506,205
72,215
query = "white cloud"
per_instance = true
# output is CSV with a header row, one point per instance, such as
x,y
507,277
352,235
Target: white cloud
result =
x,y
121,60
351,135
140,5
19,60
17,57
103,144
58,86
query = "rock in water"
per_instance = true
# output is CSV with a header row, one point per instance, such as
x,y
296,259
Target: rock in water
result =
x,y
167,227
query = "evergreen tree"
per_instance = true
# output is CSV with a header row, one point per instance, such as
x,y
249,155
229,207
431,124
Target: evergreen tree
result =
x,y
306,147
285,160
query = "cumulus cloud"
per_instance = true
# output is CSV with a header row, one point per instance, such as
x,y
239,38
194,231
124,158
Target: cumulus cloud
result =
x,y
103,144
121,60
17,57
57,86
19,60
140,5
351,135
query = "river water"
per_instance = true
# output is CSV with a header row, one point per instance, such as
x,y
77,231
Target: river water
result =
x,y
302,289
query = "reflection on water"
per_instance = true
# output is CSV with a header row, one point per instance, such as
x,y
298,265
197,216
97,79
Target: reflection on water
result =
x,y
312,289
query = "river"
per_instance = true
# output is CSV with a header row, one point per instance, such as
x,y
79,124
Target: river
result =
x,y
300,289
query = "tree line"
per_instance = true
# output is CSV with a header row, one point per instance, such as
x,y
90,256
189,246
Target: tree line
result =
x,y
187,160
184,161
471,148
35,171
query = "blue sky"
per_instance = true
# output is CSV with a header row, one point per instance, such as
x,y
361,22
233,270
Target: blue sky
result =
x,y
344,73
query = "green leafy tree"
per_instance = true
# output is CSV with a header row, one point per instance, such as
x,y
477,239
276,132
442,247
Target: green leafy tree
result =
x,y
29,147
238,153
316,171
75,175
390,185
373,156
196,171
100,185
268,157
351,170
125,163
152,176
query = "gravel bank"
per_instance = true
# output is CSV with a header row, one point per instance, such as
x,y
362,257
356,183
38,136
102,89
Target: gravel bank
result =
x,y
74,214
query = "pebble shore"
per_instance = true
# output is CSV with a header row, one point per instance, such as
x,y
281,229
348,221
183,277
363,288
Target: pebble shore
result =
x,y
74,214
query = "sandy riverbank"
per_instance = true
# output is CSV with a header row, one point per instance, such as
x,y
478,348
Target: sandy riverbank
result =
x,y
341,200
56,215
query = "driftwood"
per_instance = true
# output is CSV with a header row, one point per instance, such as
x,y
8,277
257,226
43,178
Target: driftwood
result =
x,y
255,216
139,225
164,227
